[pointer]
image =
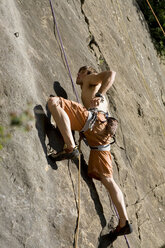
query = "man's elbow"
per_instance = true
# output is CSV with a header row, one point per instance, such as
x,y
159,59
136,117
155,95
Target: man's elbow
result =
x,y
112,73
111,76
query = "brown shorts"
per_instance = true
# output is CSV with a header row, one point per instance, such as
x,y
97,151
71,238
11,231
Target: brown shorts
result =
x,y
100,162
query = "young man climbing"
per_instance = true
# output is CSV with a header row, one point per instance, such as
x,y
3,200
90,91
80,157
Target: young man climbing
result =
x,y
92,120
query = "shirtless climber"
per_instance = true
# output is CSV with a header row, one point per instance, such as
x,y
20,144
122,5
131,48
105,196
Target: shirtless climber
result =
x,y
70,115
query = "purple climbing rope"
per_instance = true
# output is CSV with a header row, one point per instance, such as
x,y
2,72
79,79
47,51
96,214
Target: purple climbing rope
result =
x,y
62,47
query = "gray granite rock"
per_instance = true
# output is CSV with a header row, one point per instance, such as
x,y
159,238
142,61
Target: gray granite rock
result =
x,y
38,199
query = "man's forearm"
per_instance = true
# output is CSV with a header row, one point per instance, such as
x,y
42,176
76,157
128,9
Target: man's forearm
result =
x,y
107,82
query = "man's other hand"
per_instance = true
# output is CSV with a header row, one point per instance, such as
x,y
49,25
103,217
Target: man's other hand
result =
x,y
95,102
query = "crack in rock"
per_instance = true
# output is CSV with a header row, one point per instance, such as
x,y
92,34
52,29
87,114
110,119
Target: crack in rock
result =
x,y
140,110
93,45
137,218
150,191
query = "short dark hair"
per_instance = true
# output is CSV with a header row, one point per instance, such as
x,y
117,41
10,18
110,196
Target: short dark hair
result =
x,y
89,69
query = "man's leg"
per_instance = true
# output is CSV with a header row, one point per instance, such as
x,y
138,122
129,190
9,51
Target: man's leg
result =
x,y
62,120
117,198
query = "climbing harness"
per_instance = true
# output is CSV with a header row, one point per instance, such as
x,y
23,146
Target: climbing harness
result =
x,y
92,117
101,147
90,122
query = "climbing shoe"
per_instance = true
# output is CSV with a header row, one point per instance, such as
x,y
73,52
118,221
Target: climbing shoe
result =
x,y
119,231
64,154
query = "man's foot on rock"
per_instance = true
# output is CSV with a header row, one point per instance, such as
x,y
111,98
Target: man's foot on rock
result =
x,y
119,231
64,154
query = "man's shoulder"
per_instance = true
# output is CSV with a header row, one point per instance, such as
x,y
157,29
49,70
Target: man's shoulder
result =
x,y
92,80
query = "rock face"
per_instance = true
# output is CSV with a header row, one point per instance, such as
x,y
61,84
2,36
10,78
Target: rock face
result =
x,y
38,200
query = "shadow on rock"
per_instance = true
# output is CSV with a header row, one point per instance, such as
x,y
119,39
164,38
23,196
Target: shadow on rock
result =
x,y
59,90
92,189
93,192
139,12
46,129
106,240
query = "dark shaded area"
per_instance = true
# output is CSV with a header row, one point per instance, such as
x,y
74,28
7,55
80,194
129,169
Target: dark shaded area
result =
x,y
106,240
45,128
157,35
59,90
163,246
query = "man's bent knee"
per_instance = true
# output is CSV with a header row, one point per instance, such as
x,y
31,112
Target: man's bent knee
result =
x,y
107,180
54,102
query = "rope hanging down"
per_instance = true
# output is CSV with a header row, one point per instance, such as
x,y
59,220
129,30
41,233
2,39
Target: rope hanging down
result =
x,y
62,47
75,92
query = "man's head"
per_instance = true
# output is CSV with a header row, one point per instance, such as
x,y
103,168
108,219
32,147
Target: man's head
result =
x,y
87,69
84,71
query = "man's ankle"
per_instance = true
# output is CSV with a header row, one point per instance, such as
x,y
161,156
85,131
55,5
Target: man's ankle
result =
x,y
69,148
122,222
